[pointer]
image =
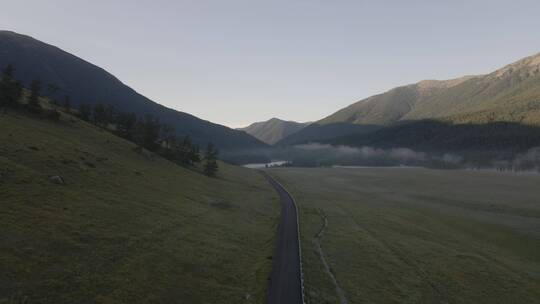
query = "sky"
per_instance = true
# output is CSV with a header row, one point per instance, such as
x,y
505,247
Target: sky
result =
x,y
235,62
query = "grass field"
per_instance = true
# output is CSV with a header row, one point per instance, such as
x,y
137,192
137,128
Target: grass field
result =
x,y
125,228
402,235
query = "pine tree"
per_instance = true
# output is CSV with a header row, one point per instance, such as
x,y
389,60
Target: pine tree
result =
x,y
8,72
194,154
67,103
84,112
185,149
167,136
151,130
98,115
33,100
210,160
126,125
10,90
52,90
110,114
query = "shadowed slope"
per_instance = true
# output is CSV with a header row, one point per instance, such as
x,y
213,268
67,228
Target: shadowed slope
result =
x,y
87,83
321,132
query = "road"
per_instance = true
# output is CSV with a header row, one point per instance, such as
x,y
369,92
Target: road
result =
x,y
286,279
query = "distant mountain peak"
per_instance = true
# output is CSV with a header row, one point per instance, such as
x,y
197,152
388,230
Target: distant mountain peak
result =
x,y
273,130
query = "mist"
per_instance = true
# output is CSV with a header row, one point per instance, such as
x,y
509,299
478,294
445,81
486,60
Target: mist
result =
x,y
316,155
528,161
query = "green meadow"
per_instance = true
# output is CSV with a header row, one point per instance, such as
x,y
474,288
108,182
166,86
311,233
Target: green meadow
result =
x,y
404,235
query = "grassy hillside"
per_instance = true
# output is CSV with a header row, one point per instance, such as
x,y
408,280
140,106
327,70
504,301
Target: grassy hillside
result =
x,y
509,94
418,236
379,109
87,83
273,130
127,227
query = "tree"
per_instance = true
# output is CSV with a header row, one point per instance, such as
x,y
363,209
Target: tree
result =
x,y
33,100
191,153
8,72
84,112
14,93
52,91
10,89
151,131
67,103
210,160
126,125
185,152
3,99
99,115
194,154
167,136
54,115
146,132
110,114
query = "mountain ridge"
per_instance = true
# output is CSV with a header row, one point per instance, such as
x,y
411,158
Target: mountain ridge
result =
x,y
508,94
414,101
87,83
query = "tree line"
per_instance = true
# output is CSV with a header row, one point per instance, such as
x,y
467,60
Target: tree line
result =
x,y
150,133
146,131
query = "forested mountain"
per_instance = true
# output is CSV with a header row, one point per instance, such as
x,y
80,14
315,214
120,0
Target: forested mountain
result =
x,y
273,130
86,83
440,136
317,132
508,95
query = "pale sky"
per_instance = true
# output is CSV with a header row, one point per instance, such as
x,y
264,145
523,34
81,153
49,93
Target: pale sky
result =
x,y
234,62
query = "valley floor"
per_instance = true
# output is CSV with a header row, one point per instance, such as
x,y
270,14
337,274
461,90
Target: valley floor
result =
x,y
413,235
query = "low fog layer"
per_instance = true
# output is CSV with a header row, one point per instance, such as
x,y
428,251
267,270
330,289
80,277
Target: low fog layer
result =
x,y
325,154
315,154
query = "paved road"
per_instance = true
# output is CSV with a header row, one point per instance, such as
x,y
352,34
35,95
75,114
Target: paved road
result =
x,y
286,279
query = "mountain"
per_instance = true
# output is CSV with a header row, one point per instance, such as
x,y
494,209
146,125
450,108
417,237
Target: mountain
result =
x,y
317,132
510,94
273,130
87,83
